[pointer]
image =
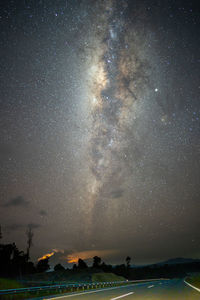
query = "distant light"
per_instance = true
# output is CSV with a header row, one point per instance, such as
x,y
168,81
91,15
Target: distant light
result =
x,y
156,90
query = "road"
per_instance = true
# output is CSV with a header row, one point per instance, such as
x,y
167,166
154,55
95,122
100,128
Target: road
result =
x,y
174,289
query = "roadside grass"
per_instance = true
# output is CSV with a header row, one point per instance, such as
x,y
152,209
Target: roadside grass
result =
x,y
62,277
9,284
194,280
103,277
54,277
6,284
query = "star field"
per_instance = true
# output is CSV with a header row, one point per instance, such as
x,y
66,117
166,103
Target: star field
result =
x,y
100,127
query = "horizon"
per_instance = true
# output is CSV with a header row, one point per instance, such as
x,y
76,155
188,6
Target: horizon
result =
x,y
56,256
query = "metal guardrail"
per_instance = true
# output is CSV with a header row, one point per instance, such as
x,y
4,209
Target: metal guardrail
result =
x,y
72,286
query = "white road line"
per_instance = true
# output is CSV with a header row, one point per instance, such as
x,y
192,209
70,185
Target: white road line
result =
x,y
122,296
192,286
97,291
150,286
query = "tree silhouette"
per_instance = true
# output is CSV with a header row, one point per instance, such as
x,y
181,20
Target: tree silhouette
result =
x,y
29,233
74,267
43,265
106,268
96,261
13,262
59,267
128,260
120,270
82,264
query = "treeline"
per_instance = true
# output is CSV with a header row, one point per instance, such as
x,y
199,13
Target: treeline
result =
x,y
15,263
136,273
158,271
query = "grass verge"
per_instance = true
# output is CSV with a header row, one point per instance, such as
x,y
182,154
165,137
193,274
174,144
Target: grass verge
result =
x,y
194,280
106,277
6,284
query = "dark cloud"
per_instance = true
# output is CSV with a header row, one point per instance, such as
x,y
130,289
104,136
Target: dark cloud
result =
x,y
20,226
17,201
14,227
116,194
43,212
34,225
6,151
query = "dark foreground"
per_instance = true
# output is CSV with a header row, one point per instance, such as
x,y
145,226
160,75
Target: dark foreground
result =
x,y
174,289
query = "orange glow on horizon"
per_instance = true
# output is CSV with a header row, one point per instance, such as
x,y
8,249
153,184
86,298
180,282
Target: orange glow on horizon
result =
x,y
48,255
72,260
74,257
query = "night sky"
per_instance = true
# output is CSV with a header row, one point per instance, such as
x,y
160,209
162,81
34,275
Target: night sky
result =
x,y
100,128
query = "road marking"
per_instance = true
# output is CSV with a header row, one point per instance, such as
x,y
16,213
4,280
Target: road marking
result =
x,y
192,286
97,291
122,296
150,286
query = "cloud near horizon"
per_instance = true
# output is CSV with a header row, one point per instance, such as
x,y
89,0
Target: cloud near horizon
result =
x,y
15,226
17,201
74,257
43,212
50,254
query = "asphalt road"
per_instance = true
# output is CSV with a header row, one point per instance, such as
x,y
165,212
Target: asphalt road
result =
x,y
174,289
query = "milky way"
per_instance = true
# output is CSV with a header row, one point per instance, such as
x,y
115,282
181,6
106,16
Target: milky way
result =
x,y
100,122
118,79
